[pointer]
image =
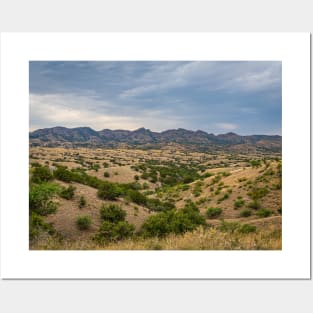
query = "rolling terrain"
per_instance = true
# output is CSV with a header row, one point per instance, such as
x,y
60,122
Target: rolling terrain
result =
x,y
146,139
144,190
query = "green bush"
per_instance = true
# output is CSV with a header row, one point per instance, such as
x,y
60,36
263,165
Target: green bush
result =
x,y
255,163
213,212
82,202
224,197
41,198
37,225
109,191
229,227
67,193
41,174
232,227
247,228
258,193
113,232
245,213
172,221
254,205
145,186
106,174
238,203
158,205
136,177
264,213
63,174
83,222
112,213
105,164
157,225
137,197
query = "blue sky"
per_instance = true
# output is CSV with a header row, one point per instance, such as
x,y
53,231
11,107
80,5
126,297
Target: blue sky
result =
x,y
214,96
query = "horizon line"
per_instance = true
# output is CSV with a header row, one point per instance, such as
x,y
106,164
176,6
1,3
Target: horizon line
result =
x,y
158,132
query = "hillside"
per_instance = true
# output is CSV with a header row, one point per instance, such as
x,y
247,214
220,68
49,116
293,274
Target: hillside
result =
x,y
146,139
82,198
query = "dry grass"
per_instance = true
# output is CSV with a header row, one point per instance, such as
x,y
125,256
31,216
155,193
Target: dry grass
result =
x,y
119,167
200,239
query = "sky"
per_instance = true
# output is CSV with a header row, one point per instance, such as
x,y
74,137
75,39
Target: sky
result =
x,y
243,97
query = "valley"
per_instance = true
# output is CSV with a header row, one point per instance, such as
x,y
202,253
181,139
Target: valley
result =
x,y
168,198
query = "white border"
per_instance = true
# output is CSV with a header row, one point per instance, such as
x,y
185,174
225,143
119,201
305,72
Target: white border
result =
x,y
18,262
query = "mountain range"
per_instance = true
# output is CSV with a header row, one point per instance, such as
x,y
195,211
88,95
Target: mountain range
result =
x,y
145,138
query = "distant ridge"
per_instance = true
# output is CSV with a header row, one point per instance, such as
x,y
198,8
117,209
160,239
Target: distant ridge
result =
x,y
145,138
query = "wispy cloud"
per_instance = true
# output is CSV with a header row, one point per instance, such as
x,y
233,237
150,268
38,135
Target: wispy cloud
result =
x,y
74,111
158,95
227,126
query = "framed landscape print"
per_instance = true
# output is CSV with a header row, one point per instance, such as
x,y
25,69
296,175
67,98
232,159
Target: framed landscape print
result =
x,y
155,156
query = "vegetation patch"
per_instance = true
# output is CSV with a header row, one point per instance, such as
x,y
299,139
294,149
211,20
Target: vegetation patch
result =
x,y
213,212
177,222
83,222
112,213
67,193
264,213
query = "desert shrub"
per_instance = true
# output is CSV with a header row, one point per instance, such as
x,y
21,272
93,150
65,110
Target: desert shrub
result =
x,y
255,163
41,174
63,174
234,227
158,205
264,213
157,225
137,197
238,203
109,191
202,200
106,174
83,222
113,232
247,228
191,211
245,213
229,227
197,189
112,213
105,164
67,193
279,211
258,193
205,175
224,197
136,177
38,225
184,187
217,191
172,221
277,186
82,202
213,212
254,205
145,186
41,198
135,185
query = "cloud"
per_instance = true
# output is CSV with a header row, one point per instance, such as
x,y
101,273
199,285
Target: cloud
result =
x,y
74,111
157,95
212,76
227,126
